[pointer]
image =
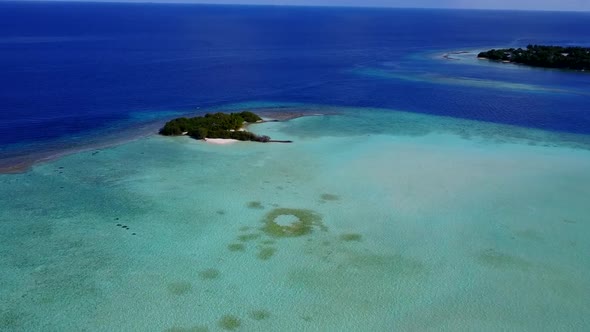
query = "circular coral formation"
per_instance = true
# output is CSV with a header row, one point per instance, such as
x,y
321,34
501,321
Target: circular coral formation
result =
x,y
303,222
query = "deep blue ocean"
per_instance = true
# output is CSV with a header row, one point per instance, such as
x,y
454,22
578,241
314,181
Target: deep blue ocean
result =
x,y
72,69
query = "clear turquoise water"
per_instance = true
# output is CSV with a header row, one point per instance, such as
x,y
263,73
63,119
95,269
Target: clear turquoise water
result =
x,y
425,223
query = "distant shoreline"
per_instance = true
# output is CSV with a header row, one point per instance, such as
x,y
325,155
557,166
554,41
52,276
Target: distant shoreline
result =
x,y
481,55
573,58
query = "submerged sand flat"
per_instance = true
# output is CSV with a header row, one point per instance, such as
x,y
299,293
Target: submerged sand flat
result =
x,y
369,220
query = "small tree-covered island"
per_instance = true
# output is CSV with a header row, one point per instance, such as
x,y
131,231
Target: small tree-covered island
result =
x,y
217,125
574,58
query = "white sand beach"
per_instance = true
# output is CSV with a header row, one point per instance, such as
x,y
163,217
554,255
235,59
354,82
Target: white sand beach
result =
x,y
221,141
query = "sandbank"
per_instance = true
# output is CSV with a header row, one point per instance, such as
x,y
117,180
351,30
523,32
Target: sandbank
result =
x,y
220,141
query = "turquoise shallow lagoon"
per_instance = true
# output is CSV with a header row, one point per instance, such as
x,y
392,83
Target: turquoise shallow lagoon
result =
x,y
370,220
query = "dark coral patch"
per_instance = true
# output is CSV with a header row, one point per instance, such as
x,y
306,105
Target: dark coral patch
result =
x,y
330,197
351,237
266,253
229,322
236,247
248,237
259,314
209,274
255,205
179,288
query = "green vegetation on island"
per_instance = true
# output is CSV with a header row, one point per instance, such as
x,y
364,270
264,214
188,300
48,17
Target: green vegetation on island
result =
x,y
217,125
575,58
